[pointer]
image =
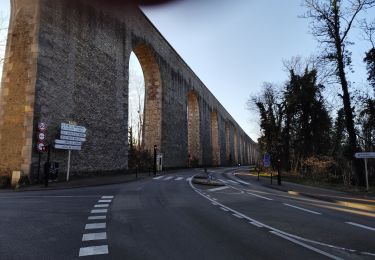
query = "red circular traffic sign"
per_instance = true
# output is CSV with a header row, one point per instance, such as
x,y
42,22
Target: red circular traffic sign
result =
x,y
42,127
42,136
41,147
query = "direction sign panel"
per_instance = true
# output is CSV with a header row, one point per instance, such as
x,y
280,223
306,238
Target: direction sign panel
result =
x,y
57,141
72,138
73,128
365,155
64,132
67,147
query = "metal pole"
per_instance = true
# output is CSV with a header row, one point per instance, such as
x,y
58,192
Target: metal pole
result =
x,y
271,175
278,173
68,171
38,166
155,160
367,186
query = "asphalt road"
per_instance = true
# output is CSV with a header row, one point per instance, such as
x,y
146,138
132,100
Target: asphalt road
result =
x,y
168,217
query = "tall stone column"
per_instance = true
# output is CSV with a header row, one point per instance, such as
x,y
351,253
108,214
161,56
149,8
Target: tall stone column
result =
x,y
17,94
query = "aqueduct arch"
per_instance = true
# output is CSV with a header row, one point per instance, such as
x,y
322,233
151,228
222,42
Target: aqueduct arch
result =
x,y
151,134
68,61
193,118
215,139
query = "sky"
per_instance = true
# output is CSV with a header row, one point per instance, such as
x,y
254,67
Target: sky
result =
x,y
235,46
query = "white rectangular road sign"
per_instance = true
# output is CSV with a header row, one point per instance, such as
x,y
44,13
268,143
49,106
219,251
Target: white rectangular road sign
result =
x,y
72,138
73,128
365,155
57,141
67,147
69,133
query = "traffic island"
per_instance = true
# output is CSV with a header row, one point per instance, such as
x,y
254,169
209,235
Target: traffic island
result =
x,y
204,180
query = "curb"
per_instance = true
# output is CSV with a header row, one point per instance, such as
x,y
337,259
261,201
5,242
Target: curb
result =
x,y
78,186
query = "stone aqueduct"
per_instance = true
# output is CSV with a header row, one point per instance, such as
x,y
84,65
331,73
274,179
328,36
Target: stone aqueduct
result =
x,y
69,60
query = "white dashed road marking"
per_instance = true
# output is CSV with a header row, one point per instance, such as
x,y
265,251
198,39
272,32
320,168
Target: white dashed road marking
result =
x,y
361,226
97,217
95,226
168,178
307,210
101,206
94,236
93,250
157,178
179,178
257,224
219,188
256,195
99,211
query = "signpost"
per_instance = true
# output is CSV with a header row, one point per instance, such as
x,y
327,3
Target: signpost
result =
x,y
267,162
365,156
41,145
71,138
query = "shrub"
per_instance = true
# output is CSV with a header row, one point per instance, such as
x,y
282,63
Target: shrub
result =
x,y
4,181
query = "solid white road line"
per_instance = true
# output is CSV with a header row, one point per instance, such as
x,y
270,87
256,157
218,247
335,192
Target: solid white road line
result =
x,y
275,229
157,178
179,178
237,216
104,201
234,182
257,224
95,226
93,250
97,217
99,211
310,211
94,236
224,181
223,209
256,195
219,188
101,206
361,226
107,197
305,245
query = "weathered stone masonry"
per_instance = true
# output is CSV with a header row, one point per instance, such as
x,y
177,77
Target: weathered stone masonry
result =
x,y
68,61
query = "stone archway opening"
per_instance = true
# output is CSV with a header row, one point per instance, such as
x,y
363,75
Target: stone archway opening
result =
x,y
193,125
228,154
144,107
136,102
236,148
152,106
215,140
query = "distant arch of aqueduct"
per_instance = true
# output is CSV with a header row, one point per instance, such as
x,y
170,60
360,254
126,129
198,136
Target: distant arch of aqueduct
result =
x,y
69,60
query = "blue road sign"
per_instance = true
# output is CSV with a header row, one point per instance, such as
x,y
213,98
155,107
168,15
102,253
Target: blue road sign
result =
x,y
267,160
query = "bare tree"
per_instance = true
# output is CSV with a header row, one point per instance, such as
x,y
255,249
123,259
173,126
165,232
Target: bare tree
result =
x,y
331,24
3,37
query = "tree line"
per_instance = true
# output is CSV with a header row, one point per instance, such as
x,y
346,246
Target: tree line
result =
x,y
299,128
